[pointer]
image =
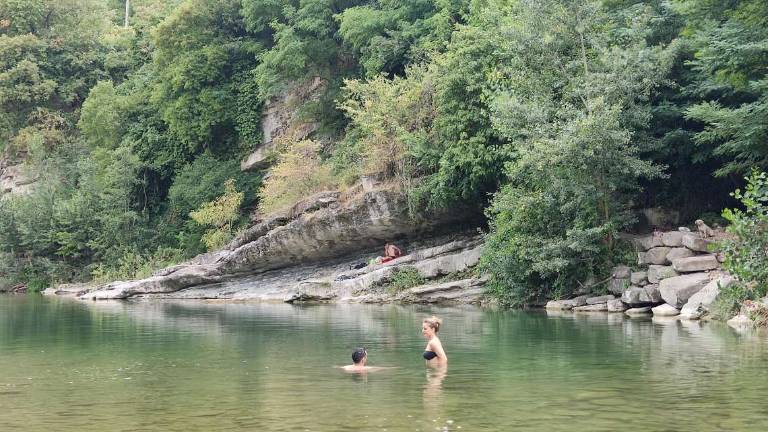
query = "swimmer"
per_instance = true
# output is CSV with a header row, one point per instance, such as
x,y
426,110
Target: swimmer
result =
x,y
359,358
433,353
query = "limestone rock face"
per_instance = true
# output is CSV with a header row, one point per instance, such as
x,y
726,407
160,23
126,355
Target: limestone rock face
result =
x,y
699,303
696,263
677,290
280,117
318,234
656,273
638,310
14,180
665,310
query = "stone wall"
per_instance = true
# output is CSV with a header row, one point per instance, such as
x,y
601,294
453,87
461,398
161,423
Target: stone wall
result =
x,y
677,274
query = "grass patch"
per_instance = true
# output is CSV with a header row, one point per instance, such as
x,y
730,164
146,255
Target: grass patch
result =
x,y
403,279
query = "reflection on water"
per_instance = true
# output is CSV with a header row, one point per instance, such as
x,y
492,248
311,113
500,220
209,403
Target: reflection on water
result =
x,y
186,366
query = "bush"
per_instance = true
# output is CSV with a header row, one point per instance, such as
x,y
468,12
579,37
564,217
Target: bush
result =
x,y
746,253
221,214
298,173
405,278
132,265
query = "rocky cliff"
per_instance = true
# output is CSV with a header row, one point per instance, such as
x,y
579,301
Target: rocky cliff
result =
x,y
303,254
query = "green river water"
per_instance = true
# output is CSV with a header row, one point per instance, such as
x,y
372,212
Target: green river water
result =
x,y
67,365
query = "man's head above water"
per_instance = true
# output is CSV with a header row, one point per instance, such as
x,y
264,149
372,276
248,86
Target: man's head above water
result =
x,y
359,356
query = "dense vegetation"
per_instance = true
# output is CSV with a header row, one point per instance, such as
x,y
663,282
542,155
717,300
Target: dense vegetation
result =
x,y
558,118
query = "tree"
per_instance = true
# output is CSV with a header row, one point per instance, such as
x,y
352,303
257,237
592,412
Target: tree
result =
x,y
221,214
572,100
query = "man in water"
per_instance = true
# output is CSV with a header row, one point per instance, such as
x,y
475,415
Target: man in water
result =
x,y
359,358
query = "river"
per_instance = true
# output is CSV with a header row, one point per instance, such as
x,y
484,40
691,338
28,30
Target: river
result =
x,y
67,365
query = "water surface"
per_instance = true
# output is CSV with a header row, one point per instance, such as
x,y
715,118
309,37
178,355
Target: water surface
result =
x,y
162,366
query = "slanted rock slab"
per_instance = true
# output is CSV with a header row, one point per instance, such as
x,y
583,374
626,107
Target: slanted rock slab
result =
x,y
699,303
677,290
665,310
696,263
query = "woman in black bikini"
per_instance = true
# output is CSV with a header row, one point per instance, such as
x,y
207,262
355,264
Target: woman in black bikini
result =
x,y
433,353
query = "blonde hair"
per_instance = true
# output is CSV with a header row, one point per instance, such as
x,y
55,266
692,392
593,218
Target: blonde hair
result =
x,y
433,322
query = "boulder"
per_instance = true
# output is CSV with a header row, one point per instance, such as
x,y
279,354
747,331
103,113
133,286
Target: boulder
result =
x,y
672,239
647,242
740,321
617,286
656,273
638,310
695,243
677,290
579,301
635,296
665,310
657,255
466,291
558,305
696,263
621,272
600,307
599,299
680,252
639,278
616,305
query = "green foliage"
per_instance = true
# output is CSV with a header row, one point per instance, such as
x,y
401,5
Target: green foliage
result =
x,y
298,173
578,162
557,112
745,253
220,214
132,265
404,278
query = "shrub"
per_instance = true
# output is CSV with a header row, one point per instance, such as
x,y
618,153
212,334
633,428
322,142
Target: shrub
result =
x,y
221,214
746,252
298,173
405,278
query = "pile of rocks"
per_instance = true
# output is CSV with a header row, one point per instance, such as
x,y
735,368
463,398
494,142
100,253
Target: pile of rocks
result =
x,y
678,273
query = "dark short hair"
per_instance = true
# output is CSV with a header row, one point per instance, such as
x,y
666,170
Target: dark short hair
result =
x,y
358,355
